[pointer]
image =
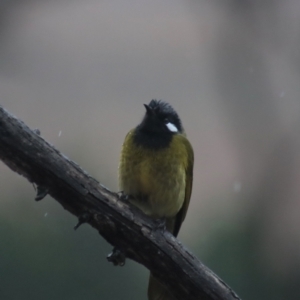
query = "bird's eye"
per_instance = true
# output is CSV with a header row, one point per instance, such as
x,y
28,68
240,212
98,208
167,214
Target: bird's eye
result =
x,y
166,120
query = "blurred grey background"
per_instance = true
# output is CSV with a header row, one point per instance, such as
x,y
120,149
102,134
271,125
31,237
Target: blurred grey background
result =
x,y
80,72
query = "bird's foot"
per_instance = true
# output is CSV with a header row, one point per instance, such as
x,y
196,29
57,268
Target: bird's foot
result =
x,y
123,197
160,224
37,131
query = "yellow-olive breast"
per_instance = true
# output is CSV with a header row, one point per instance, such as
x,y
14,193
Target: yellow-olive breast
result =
x,y
155,178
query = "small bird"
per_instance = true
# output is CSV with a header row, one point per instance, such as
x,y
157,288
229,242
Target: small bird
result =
x,y
156,172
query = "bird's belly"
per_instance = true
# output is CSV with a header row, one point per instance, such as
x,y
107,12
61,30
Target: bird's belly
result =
x,y
156,185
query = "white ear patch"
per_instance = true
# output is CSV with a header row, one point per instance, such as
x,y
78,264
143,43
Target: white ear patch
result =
x,y
172,127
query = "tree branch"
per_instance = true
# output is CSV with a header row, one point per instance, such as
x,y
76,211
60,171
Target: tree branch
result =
x,y
121,224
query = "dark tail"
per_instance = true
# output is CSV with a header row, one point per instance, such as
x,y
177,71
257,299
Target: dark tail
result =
x,y
156,291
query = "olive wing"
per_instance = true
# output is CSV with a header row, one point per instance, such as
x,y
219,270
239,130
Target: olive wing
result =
x,y
188,185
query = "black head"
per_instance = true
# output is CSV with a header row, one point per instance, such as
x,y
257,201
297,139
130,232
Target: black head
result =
x,y
158,126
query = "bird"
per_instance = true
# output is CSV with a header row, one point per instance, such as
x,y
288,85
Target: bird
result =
x,y
156,172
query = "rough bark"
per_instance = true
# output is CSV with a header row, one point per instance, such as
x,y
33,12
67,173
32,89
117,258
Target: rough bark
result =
x,y
122,225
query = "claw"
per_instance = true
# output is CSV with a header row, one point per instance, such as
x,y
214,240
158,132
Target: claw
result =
x,y
84,218
123,196
160,224
41,192
117,257
37,131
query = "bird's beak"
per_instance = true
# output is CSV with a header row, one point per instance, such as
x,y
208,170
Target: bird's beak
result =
x,y
149,110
